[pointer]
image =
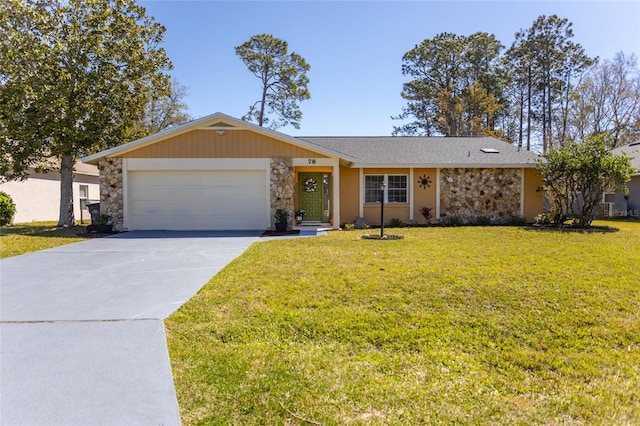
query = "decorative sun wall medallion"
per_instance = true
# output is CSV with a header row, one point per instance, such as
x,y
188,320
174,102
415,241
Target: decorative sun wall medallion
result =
x,y
424,181
310,185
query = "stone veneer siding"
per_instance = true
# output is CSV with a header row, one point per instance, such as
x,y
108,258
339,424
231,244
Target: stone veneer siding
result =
x,y
491,192
111,198
282,186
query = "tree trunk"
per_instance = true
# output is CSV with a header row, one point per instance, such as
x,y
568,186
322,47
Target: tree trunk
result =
x,y
262,107
521,119
549,117
66,217
544,120
565,111
265,88
529,84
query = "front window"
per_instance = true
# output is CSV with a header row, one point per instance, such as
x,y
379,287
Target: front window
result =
x,y
395,188
372,191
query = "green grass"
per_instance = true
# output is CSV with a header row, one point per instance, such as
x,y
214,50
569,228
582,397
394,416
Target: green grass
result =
x,y
28,237
468,325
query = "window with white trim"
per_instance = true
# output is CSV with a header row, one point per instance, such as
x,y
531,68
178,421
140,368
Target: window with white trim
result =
x,y
372,191
84,196
395,189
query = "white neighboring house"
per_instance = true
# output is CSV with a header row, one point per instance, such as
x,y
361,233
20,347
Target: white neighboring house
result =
x,y
620,204
38,197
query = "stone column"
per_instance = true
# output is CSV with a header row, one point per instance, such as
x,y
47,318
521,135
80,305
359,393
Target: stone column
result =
x,y
111,196
282,186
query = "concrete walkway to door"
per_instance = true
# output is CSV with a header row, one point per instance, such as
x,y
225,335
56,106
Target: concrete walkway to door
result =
x,y
82,338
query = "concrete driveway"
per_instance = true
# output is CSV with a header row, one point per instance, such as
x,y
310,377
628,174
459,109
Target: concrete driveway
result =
x,y
82,339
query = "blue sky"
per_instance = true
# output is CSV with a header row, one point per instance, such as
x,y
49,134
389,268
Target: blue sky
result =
x,y
354,48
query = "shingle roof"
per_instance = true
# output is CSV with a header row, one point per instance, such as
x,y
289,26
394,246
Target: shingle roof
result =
x,y
632,150
394,151
385,151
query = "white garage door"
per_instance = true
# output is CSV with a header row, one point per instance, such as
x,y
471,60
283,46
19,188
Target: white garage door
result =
x,y
197,200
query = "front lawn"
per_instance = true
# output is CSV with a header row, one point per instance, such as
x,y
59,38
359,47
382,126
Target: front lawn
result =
x,y
469,325
27,237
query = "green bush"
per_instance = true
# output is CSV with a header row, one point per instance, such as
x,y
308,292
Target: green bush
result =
x,y
514,220
348,226
396,223
7,208
452,220
281,216
481,221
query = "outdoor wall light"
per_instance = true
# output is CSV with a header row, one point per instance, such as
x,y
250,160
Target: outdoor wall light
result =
x,y
220,132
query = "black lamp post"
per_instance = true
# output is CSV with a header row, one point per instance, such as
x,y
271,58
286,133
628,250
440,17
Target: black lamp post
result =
x,y
382,185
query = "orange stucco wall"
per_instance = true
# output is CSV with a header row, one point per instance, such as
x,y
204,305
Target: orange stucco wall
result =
x,y
391,211
349,194
533,199
209,144
424,197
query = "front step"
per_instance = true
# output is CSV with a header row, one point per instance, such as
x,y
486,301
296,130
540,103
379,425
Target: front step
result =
x,y
313,228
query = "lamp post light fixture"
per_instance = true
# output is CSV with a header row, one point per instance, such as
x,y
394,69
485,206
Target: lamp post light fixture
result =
x,y
382,185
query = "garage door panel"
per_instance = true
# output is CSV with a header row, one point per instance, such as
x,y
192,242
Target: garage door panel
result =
x,y
187,193
188,222
197,200
153,193
149,208
177,178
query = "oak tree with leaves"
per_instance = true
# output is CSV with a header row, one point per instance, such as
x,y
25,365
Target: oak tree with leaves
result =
x,y
74,79
576,175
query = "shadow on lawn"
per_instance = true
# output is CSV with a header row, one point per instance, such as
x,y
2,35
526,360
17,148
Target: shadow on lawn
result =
x,y
43,230
571,228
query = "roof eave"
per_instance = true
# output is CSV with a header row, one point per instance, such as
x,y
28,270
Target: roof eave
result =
x,y
444,165
75,172
203,122
148,140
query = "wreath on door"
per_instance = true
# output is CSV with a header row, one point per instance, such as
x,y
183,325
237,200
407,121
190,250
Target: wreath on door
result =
x,y
310,185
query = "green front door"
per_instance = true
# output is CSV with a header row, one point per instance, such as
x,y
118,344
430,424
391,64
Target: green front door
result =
x,y
313,196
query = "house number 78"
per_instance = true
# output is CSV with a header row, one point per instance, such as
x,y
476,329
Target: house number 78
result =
x,y
312,161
